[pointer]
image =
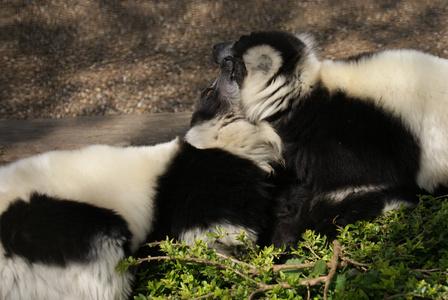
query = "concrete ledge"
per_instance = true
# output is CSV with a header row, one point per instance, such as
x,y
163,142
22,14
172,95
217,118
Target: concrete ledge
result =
x,y
21,138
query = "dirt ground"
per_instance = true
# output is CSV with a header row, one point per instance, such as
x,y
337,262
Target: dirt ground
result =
x,y
104,57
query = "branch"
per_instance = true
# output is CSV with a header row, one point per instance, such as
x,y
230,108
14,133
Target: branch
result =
x,y
236,261
334,265
308,246
353,262
403,295
267,287
435,198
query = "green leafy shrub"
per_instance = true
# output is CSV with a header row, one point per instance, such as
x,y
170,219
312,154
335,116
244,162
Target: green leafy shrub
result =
x,y
401,255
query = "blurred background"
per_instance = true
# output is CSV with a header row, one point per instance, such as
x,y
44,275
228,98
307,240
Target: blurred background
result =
x,y
107,57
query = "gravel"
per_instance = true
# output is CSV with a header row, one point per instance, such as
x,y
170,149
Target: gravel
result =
x,y
108,57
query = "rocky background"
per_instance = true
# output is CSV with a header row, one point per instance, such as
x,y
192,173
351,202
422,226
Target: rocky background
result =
x,y
106,57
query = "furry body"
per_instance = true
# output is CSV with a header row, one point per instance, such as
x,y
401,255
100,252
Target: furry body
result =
x,y
39,229
361,136
68,217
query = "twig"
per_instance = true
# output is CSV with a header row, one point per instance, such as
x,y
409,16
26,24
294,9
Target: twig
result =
x,y
204,296
334,222
209,295
334,265
429,226
403,295
313,281
307,282
267,287
277,268
427,270
152,244
353,262
238,262
435,198
312,251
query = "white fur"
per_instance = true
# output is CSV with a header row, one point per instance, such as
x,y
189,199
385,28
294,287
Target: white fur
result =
x,y
93,281
410,84
395,204
257,63
257,95
339,195
120,179
261,100
259,143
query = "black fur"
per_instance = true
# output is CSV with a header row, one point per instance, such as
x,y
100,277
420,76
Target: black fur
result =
x,y
334,143
356,58
55,231
206,187
200,188
217,100
281,41
209,107
203,187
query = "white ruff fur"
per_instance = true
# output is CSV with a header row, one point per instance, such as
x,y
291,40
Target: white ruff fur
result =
x,y
259,143
410,84
120,179
261,100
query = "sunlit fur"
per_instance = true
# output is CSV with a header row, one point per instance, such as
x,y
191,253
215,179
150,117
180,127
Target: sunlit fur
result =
x,y
267,91
172,189
96,280
257,142
219,122
119,179
360,136
409,84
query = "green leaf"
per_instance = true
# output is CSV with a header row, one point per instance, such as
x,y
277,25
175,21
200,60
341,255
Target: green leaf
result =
x,y
212,235
341,280
319,268
294,261
140,297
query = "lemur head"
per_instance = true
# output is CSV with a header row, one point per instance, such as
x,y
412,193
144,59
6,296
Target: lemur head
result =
x,y
281,68
219,121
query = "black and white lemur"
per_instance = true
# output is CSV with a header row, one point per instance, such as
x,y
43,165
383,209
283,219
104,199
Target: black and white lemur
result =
x,y
361,136
68,217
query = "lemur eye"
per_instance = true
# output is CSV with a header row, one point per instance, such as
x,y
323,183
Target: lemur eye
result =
x,y
208,92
